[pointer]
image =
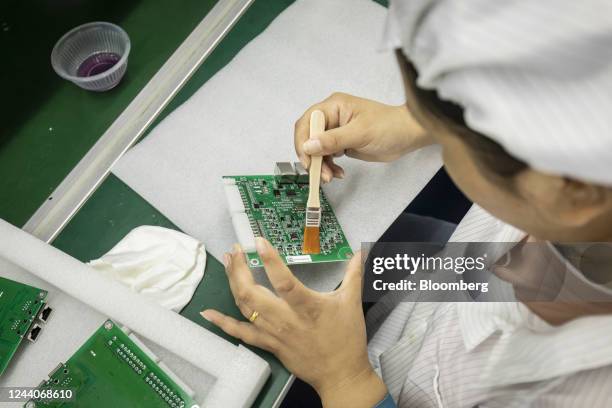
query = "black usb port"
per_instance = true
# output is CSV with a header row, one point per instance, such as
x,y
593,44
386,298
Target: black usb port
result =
x,y
45,313
34,333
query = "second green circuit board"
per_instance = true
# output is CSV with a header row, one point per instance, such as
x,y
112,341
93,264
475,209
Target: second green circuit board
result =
x,y
273,207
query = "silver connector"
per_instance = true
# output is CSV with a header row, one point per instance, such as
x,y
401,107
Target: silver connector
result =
x,y
285,172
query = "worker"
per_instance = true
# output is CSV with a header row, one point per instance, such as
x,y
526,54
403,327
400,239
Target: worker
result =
x,y
518,96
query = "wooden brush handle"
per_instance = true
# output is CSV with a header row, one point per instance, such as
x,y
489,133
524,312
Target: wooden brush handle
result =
x,y
317,126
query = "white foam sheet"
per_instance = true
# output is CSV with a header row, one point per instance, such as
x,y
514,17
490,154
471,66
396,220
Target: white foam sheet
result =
x,y
241,122
71,324
221,374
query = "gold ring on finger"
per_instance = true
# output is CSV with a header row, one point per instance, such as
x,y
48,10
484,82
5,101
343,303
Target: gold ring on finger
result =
x,y
254,316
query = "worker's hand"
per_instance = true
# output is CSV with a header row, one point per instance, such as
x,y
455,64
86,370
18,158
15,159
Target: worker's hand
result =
x,y
320,337
360,128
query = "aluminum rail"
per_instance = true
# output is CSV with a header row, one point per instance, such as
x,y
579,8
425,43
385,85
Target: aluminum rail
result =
x,y
59,208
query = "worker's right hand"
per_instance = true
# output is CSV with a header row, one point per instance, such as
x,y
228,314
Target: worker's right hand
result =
x,y
360,128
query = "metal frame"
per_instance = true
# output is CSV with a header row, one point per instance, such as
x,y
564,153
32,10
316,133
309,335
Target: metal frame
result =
x,y
284,391
59,208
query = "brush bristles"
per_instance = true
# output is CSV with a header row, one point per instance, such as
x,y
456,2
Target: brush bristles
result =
x,y
312,244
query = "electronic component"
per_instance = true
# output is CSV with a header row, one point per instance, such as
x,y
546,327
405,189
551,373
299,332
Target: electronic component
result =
x,y
45,314
34,333
112,370
285,172
302,174
20,307
274,208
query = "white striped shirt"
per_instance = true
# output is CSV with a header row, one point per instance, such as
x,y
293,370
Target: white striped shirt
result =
x,y
488,354
532,75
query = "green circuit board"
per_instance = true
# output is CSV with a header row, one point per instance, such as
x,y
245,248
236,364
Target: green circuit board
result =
x,y
275,207
112,370
20,308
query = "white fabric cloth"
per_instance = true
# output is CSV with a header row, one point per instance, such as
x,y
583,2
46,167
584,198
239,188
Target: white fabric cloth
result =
x,y
535,76
241,122
163,264
488,354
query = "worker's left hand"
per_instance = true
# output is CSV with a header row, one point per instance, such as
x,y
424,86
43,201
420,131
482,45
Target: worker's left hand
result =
x,y
320,337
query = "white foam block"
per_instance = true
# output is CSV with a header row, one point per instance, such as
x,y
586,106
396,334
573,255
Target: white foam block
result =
x,y
242,122
238,373
71,324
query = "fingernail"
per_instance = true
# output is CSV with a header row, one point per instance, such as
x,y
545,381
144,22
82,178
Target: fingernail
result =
x,y
261,245
227,260
340,173
312,147
206,315
236,249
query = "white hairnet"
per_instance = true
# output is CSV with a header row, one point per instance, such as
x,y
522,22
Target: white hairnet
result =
x,y
535,76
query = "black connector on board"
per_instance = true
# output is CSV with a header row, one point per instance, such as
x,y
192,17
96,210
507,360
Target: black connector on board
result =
x,y
45,313
34,333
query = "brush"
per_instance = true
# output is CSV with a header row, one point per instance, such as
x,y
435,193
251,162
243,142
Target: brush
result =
x,y
312,223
